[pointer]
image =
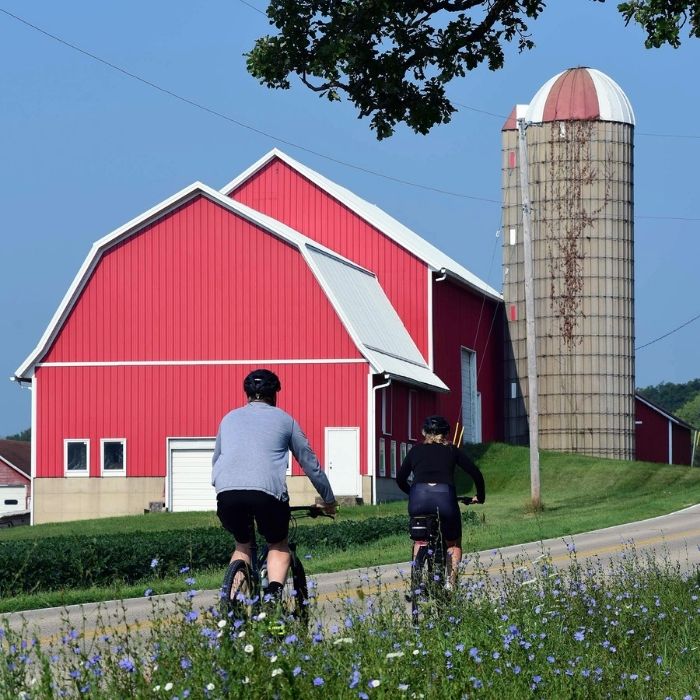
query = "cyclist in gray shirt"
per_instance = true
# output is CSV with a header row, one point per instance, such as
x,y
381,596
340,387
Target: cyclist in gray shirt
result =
x,y
249,470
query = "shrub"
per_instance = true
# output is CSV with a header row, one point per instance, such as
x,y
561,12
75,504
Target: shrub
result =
x,y
76,561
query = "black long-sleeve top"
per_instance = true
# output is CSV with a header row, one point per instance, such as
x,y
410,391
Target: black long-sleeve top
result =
x,y
435,464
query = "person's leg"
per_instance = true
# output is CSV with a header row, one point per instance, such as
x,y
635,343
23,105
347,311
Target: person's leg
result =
x,y
279,559
454,556
272,517
234,512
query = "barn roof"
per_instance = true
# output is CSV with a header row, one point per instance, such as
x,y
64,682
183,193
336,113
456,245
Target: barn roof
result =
x,y
393,353
18,455
374,216
662,411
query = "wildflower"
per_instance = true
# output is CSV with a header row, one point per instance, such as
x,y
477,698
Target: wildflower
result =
x,y
273,658
221,624
318,681
363,696
296,671
154,563
403,687
168,686
340,640
290,639
248,648
261,616
148,593
276,672
210,686
190,581
185,664
191,616
579,635
126,664
395,655
374,683
184,570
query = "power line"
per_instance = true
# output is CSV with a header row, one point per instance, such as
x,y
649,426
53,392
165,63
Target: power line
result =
x,y
243,125
665,335
292,144
252,7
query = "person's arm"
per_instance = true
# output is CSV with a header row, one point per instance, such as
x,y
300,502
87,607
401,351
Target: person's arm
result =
x,y
309,463
404,472
216,455
477,477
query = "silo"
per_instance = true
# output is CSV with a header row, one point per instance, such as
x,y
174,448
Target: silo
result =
x,y
580,130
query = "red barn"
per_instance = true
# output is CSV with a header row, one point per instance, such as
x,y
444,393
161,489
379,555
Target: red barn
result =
x,y
660,436
367,325
15,473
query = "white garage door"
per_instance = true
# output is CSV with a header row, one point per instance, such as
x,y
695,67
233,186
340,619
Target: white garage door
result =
x,y
12,499
190,475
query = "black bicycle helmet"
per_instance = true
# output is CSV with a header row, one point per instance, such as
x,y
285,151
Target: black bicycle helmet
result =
x,y
261,383
436,425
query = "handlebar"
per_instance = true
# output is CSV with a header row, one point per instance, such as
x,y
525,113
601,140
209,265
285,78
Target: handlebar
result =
x,y
465,500
311,511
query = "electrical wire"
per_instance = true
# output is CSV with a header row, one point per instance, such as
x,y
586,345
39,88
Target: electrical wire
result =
x,y
665,335
273,137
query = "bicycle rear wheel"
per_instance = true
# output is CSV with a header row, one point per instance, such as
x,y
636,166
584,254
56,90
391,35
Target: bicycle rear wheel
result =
x,y
237,590
421,575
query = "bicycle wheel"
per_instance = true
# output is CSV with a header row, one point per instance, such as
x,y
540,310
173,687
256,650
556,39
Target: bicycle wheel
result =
x,y
237,590
421,577
295,595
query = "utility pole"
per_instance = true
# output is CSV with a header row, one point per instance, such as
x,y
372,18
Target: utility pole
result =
x,y
530,330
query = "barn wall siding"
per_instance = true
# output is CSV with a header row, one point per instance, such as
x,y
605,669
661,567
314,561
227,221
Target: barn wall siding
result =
x,y
464,318
201,284
148,404
279,191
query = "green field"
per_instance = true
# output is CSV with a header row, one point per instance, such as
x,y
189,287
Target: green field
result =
x,y
579,494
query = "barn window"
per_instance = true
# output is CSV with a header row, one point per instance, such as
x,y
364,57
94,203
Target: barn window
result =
x,y
381,462
113,457
412,415
403,452
387,410
76,457
393,459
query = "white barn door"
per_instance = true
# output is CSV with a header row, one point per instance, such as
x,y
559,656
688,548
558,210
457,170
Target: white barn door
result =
x,y
189,471
342,461
471,401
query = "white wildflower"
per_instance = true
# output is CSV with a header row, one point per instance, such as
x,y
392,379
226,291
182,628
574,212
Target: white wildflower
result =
x,y
273,658
241,634
374,683
168,686
221,623
210,686
342,640
403,687
248,648
394,655
276,672
262,616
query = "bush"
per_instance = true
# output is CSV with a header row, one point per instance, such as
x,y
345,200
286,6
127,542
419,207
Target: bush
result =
x,y
75,561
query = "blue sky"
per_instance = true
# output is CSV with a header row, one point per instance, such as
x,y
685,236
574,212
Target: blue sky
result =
x,y
85,149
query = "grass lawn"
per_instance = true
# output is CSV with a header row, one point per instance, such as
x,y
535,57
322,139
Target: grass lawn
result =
x,y
579,494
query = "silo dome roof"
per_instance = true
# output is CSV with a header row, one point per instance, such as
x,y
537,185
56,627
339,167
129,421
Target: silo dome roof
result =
x,y
580,94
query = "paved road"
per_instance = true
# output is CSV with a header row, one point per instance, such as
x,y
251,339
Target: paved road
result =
x,y
676,535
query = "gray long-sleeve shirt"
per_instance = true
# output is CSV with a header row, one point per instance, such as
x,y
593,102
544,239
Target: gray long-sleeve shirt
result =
x,y
252,452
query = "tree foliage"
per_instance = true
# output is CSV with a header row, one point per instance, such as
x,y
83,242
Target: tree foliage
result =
x,y
393,60
671,396
24,436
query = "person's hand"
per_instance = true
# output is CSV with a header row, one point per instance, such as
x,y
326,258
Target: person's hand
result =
x,y
330,508
475,500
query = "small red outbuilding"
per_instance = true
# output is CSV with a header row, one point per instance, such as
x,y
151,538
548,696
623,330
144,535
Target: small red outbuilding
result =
x,y
660,436
369,327
15,476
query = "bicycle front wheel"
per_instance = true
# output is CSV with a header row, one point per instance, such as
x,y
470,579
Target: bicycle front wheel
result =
x,y
295,595
236,596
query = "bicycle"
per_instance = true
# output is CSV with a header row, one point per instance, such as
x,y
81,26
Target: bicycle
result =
x,y
430,575
242,589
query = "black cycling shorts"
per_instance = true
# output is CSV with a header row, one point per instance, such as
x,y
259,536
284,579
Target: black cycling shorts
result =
x,y
236,510
440,500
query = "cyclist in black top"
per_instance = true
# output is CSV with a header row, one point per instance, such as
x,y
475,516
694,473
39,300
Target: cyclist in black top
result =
x,y
432,490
